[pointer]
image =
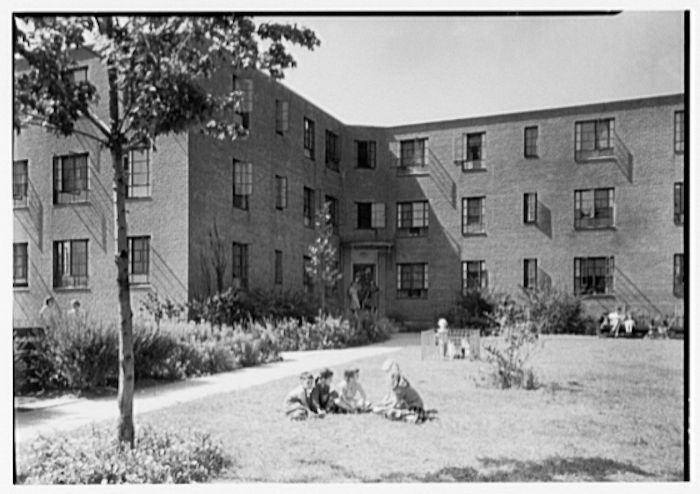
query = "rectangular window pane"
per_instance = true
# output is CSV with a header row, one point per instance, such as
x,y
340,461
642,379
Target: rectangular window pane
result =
x,y
530,142
378,215
593,275
309,201
332,150
474,147
473,275
473,215
281,116
530,273
530,204
679,275
412,280
70,179
594,208
309,138
679,203
679,132
364,215
20,183
70,263
137,167
19,264
242,184
139,259
280,192
278,267
240,265
366,154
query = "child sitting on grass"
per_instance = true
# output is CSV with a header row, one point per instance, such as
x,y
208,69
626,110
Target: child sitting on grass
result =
x,y
297,404
403,402
322,397
351,397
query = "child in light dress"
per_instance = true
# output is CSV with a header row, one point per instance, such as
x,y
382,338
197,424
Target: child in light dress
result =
x,y
403,402
351,397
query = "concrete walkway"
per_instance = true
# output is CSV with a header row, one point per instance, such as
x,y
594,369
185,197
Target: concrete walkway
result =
x,y
63,414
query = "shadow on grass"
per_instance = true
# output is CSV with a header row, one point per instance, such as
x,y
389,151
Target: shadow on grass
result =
x,y
509,470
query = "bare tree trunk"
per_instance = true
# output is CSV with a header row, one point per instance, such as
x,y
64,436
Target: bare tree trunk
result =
x,y
125,396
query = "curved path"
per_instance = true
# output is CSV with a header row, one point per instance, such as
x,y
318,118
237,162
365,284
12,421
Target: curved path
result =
x,y
45,417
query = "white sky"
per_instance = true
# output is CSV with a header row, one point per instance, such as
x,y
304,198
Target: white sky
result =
x,y
397,70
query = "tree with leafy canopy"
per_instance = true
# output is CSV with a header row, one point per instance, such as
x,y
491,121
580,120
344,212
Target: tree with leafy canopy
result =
x,y
157,72
323,259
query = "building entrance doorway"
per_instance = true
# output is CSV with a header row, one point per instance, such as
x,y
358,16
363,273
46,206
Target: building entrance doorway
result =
x,y
366,275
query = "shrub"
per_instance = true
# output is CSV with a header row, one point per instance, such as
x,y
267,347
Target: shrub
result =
x,y
157,457
555,312
520,340
472,309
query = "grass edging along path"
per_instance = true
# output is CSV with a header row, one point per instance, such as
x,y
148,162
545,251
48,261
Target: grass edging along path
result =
x,y
609,410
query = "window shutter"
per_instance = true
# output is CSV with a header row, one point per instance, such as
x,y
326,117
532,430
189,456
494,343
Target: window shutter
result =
x,y
372,150
425,152
483,147
355,153
247,89
378,215
578,137
609,275
459,148
285,116
394,150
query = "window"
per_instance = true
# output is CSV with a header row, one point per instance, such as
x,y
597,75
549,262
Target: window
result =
x,y
333,211
307,280
19,264
475,147
245,105
530,273
20,183
473,215
593,275
473,275
240,265
414,152
281,116
309,138
531,142
594,138
280,192
370,215
679,203
278,267
70,263
594,208
412,218
530,208
309,201
412,280
332,150
679,275
139,256
366,154
242,184
679,132
70,179
78,74
137,166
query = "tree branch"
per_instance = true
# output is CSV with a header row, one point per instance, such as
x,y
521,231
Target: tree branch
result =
x,y
39,122
97,123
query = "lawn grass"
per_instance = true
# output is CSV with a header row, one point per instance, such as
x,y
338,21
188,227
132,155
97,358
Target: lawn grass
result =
x,y
608,410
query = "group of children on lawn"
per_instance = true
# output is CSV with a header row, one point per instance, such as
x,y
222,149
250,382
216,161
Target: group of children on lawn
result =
x,y
317,397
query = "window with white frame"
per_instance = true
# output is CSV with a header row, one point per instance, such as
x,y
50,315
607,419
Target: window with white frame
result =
x,y
473,215
414,152
366,154
679,203
309,138
20,262
137,167
70,178
412,280
679,131
371,215
20,182
530,144
412,218
530,208
70,264
594,138
530,273
139,259
593,275
594,208
474,275
242,184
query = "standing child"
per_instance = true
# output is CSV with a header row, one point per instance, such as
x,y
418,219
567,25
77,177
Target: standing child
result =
x,y
351,397
442,336
297,404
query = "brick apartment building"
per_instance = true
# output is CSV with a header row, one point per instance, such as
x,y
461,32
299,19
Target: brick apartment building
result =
x,y
589,199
